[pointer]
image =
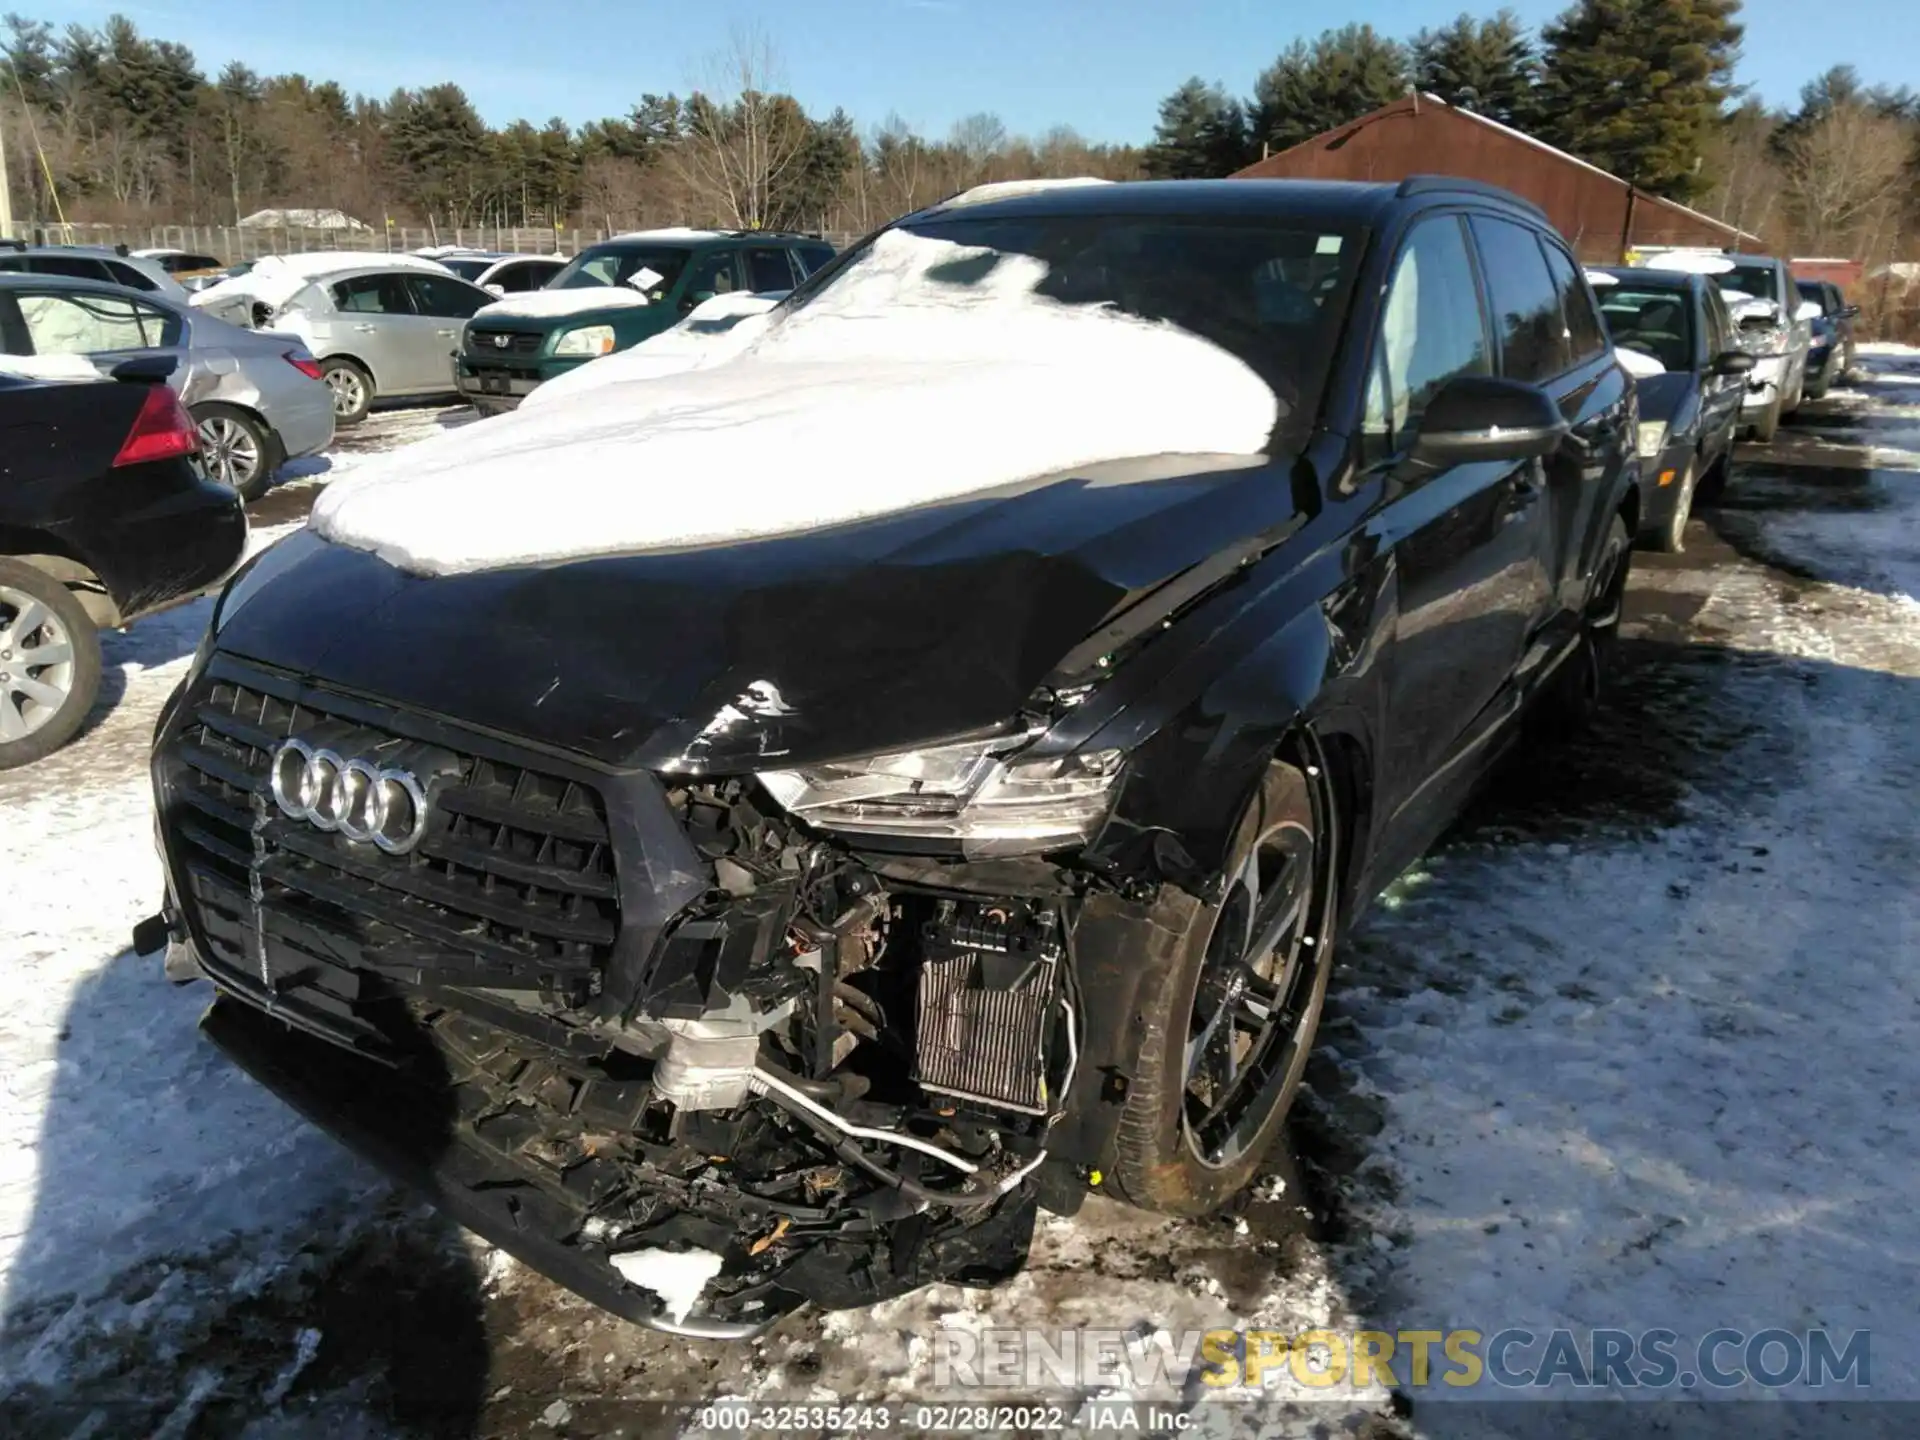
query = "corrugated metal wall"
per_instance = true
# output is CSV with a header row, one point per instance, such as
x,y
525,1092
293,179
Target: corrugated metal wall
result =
x,y
1599,213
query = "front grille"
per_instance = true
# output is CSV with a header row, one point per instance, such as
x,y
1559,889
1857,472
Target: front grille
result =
x,y
511,886
482,343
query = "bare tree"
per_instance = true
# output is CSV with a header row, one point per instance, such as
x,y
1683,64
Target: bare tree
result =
x,y
745,144
1846,180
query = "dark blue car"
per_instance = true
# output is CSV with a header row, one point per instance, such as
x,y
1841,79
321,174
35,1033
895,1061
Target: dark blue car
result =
x,y
1831,355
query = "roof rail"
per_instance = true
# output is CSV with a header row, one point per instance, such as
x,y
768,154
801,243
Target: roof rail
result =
x,y
13,242
1434,184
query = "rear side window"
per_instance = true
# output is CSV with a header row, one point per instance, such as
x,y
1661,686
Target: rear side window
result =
x,y
371,295
74,267
812,257
769,269
1586,336
127,275
1525,301
531,275
1432,328
712,274
76,323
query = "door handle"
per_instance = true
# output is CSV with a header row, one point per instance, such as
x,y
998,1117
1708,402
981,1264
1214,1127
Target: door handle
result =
x,y
448,333
365,329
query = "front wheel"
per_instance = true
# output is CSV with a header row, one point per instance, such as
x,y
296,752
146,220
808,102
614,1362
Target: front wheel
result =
x,y
1671,536
49,664
351,390
1230,1012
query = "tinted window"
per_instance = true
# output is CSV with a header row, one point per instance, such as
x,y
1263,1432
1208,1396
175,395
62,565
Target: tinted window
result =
x,y
1761,280
1586,336
1813,290
444,296
77,323
468,267
127,275
73,266
768,270
1526,305
812,257
372,295
712,275
1652,320
1431,329
528,275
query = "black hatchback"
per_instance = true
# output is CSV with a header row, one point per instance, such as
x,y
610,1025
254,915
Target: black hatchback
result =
x,y
1691,376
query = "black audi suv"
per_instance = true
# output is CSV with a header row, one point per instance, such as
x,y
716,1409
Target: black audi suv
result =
x,y
800,912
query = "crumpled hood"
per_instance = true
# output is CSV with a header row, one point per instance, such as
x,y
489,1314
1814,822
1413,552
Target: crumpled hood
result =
x,y
875,634
927,371
550,304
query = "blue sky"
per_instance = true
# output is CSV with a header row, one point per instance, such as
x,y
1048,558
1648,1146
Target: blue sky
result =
x,y
1100,66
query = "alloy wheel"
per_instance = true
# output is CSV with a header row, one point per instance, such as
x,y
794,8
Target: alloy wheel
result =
x,y
36,665
230,450
1254,991
348,391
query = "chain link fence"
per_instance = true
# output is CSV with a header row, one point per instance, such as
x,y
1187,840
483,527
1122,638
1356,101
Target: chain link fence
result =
x,y
231,244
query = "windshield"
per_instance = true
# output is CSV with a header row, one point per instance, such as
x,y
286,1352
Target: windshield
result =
x,y
618,264
1269,291
1762,282
1651,321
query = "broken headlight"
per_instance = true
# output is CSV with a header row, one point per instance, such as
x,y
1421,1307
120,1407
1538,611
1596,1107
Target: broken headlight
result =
x,y
981,793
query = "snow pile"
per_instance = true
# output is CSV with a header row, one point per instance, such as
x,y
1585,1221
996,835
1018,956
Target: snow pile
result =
x,y
546,304
923,348
276,279
713,331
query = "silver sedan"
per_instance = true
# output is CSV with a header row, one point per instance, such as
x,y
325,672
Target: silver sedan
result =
x,y
256,396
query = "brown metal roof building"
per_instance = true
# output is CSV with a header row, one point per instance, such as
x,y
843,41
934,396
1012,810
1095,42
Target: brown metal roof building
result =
x,y
1423,135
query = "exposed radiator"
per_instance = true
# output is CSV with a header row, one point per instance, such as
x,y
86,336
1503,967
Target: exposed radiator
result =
x,y
988,979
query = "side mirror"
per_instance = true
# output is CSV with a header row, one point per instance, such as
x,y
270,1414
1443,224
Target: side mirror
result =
x,y
1486,417
1732,362
496,290
1850,312
261,314
1808,310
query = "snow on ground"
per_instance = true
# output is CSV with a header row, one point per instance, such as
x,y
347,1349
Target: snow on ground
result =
x,y
1631,1049
895,351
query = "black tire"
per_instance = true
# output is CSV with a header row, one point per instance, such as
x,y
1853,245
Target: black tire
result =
x,y
1713,484
1577,688
237,448
351,388
30,727
1670,536
1159,1164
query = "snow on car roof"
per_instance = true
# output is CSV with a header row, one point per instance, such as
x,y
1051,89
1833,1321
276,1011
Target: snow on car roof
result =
x,y
670,232
1017,385
276,279
1008,189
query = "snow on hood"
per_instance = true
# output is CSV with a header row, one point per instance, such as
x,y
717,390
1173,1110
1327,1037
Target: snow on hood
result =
x,y
714,330
1638,364
276,279
1692,262
895,387
548,303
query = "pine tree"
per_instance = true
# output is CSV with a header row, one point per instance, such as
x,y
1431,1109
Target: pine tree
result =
x,y
1636,86
1487,66
1311,88
1202,134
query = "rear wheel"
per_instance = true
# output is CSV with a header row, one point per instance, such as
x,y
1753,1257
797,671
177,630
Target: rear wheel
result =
x,y
1230,1013
351,389
49,664
237,449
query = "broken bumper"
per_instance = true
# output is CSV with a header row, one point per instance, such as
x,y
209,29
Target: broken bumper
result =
x,y
388,1122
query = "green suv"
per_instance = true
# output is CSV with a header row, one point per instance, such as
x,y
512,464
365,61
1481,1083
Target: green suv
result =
x,y
614,295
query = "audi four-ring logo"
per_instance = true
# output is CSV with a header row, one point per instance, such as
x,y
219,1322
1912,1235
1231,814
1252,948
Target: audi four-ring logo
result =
x,y
355,798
